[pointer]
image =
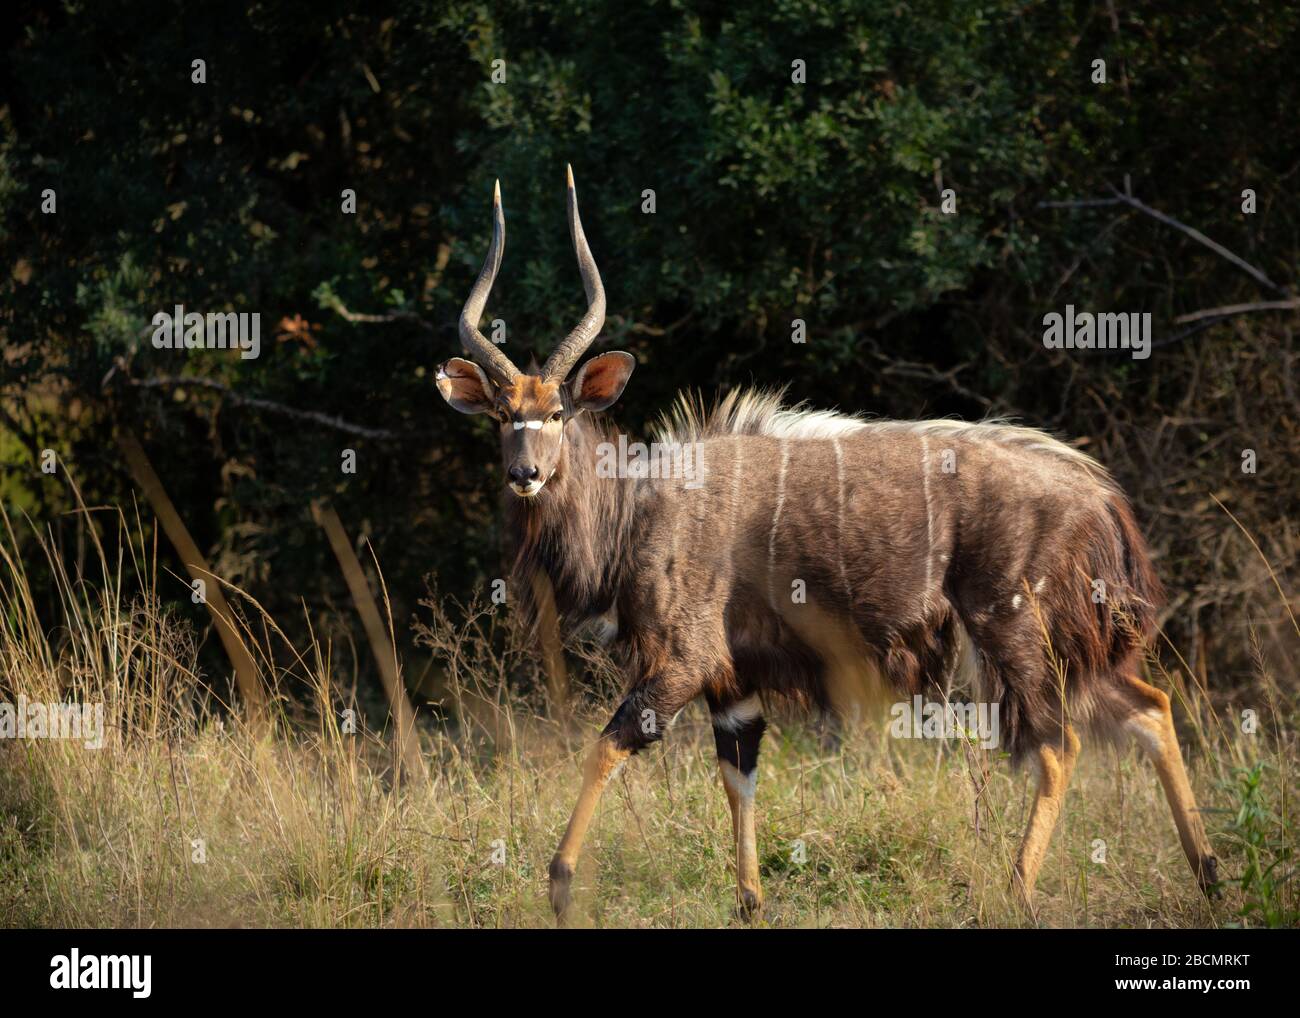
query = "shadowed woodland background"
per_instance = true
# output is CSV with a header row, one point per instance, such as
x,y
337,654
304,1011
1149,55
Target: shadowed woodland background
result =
x,y
775,201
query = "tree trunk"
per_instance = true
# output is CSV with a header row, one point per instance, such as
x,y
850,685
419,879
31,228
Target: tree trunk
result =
x,y
406,747
247,676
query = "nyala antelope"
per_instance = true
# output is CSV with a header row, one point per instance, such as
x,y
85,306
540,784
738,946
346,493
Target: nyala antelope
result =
x,y
920,545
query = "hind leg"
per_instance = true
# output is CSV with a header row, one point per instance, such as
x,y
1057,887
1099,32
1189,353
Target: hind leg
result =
x,y
737,730
1055,765
1152,724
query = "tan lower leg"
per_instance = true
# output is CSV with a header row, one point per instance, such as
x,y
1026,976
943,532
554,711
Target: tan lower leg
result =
x,y
599,766
1056,763
740,794
1154,729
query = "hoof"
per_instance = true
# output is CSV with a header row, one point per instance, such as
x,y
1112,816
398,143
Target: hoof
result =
x,y
750,906
561,880
1024,896
1209,877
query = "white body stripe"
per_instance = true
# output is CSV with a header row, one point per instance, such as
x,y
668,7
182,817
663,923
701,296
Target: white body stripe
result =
x,y
929,517
839,544
776,521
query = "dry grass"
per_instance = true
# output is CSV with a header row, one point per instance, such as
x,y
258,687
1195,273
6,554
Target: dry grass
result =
x,y
302,824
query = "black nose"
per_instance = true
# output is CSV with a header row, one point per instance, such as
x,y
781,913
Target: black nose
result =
x,y
522,475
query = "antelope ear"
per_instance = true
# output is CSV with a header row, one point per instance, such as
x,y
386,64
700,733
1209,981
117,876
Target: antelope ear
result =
x,y
599,383
465,386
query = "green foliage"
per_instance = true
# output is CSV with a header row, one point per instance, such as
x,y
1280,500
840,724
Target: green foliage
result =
x,y
775,201
1266,843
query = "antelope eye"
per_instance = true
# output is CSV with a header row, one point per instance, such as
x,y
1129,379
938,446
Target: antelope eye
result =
x,y
558,415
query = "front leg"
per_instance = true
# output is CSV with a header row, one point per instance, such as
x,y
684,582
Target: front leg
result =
x,y
639,721
601,764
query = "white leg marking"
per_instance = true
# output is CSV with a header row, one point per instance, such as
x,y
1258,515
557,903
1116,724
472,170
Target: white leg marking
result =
x,y
1145,729
743,785
731,717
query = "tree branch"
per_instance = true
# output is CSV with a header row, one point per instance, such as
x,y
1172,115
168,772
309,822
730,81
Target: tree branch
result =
x,y
1122,198
1228,310
359,317
1080,203
1201,238
337,423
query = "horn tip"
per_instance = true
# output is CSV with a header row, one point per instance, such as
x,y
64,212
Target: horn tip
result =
x,y
568,175
496,193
